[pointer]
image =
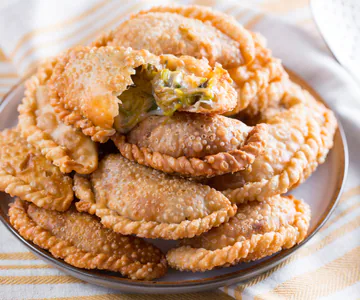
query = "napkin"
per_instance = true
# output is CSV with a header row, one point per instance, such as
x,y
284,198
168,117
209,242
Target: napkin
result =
x,y
327,267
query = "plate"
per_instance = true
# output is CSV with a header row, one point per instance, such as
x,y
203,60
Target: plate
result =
x,y
322,191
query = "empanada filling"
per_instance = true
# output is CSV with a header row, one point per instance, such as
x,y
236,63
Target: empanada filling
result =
x,y
162,92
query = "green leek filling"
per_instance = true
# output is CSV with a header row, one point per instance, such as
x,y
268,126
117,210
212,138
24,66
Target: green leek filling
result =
x,y
160,92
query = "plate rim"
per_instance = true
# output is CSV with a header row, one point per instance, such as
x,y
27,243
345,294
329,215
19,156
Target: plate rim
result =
x,y
150,287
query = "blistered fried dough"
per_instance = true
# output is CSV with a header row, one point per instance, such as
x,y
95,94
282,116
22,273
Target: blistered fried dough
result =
x,y
328,125
133,199
261,83
199,32
193,144
300,135
66,147
259,229
103,90
26,173
323,116
327,121
86,83
80,240
267,98
185,30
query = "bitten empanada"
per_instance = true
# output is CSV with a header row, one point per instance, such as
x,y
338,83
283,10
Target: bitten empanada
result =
x,y
193,144
258,229
107,89
204,33
27,174
133,199
67,147
80,240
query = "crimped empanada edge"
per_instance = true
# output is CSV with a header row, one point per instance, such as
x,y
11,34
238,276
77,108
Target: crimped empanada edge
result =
x,y
281,183
166,231
37,137
147,229
186,258
17,187
79,258
211,165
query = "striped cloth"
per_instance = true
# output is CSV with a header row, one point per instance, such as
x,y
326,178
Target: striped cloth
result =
x,y
328,267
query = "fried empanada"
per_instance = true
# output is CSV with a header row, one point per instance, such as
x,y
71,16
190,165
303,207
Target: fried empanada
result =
x,y
203,33
133,199
104,90
193,30
26,173
80,240
67,147
258,229
301,132
193,144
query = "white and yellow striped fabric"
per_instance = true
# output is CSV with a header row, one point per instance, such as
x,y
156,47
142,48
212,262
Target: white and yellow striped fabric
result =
x,y
328,267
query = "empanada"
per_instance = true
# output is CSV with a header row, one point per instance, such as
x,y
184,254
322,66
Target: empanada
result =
x,y
104,90
192,30
26,173
301,132
80,240
258,229
193,144
132,199
67,147
204,33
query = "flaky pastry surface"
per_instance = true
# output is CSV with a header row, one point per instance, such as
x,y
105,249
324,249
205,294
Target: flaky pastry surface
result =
x,y
300,135
259,84
133,199
67,147
88,84
85,84
258,229
185,30
80,240
193,144
203,33
27,174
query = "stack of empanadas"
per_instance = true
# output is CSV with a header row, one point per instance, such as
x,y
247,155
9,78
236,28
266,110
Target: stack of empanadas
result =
x,y
209,130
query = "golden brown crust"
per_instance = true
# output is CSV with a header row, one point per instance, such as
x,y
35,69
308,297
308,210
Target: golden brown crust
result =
x,y
133,199
259,229
277,181
193,145
259,84
328,125
83,191
87,82
66,147
300,136
185,30
264,99
25,172
81,241
327,122
181,31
